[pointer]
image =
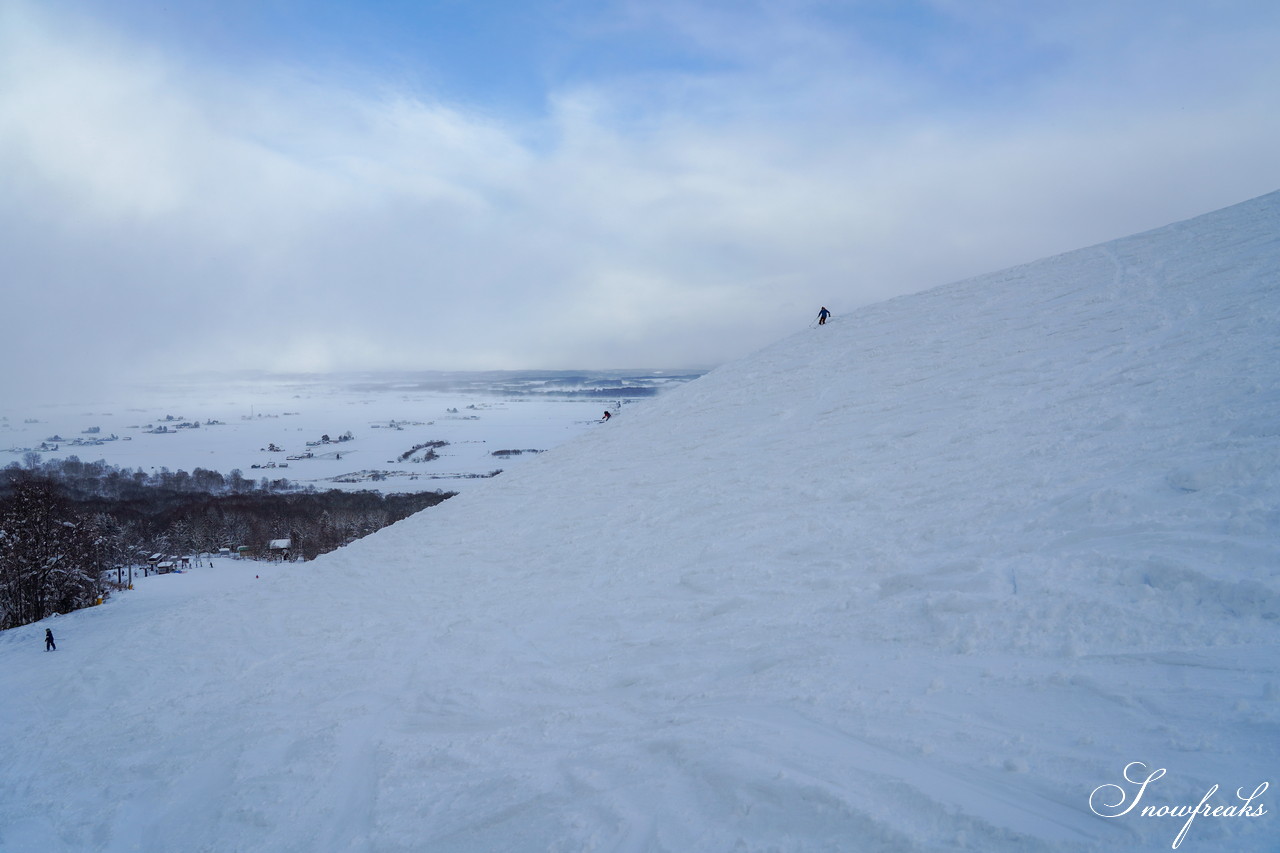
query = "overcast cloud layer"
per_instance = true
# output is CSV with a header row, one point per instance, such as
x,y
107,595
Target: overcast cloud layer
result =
x,y
555,184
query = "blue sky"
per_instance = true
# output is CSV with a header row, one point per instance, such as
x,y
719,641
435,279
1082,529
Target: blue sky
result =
x,y
625,183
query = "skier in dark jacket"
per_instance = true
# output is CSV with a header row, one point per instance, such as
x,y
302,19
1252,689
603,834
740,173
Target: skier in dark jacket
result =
x,y
823,315
48,641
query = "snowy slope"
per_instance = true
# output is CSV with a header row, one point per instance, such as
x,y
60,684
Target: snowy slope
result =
x,y
922,579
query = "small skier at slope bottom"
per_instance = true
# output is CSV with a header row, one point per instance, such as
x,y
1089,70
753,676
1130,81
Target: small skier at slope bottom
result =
x,y
49,645
823,315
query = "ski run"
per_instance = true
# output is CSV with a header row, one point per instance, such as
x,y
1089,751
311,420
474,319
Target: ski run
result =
x,y
992,567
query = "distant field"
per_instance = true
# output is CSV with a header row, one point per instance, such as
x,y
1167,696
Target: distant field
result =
x,y
273,426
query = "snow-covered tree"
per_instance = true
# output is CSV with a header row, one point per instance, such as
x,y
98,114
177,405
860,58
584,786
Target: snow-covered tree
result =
x,y
49,559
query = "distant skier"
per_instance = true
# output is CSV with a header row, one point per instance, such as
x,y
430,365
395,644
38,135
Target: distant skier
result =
x,y
823,315
606,416
48,641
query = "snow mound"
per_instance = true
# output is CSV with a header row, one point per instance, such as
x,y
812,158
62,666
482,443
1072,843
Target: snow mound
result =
x,y
925,578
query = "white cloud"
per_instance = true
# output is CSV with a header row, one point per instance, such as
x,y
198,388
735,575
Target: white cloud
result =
x,y
272,218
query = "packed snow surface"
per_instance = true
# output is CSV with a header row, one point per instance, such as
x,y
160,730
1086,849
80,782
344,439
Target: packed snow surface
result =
x,y
936,576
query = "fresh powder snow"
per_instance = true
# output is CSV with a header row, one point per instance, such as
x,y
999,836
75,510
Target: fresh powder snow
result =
x,y
991,568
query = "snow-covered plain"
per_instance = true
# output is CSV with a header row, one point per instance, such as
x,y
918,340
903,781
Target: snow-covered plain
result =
x,y
229,422
929,578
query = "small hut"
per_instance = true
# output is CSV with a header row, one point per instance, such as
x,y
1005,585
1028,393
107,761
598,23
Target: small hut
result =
x,y
278,549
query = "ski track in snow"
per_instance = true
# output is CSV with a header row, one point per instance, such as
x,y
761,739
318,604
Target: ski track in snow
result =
x,y
921,579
